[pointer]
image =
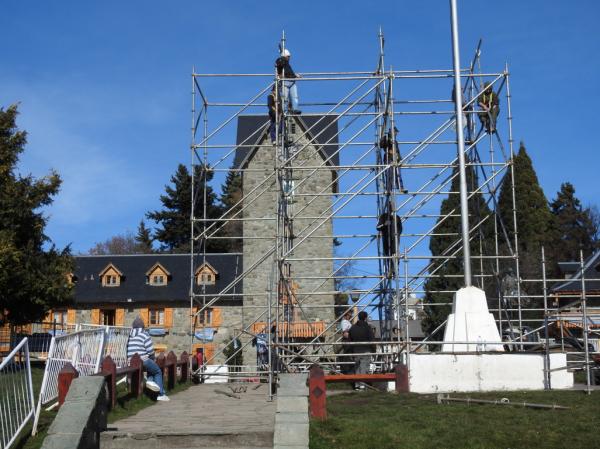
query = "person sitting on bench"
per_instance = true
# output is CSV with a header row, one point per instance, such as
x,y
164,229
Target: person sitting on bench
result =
x,y
140,343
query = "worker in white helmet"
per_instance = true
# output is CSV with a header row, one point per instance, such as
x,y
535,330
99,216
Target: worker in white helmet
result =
x,y
289,90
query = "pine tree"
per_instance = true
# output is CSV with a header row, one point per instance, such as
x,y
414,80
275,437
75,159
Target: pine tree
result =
x,y
230,199
32,279
144,239
574,227
174,218
448,273
534,220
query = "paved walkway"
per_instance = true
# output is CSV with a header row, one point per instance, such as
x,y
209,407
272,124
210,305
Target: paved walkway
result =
x,y
199,417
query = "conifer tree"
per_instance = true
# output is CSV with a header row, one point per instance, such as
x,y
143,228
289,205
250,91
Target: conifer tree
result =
x,y
32,279
534,220
174,219
574,227
144,239
230,199
448,273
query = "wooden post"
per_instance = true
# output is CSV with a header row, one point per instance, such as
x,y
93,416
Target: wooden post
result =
x,y
185,366
137,375
317,393
402,382
171,369
109,370
65,377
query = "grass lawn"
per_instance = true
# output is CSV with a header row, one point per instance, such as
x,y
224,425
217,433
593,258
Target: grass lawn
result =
x,y
379,420
126,406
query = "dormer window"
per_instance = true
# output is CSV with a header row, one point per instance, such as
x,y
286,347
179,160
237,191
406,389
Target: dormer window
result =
x,y
110,276
206,275
157,276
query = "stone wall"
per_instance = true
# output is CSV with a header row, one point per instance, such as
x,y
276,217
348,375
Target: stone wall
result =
x,y
263,207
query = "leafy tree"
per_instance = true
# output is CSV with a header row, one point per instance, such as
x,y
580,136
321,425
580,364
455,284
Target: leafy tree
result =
x,y
126,243
230,199
448,273
144,239
33,272
574,226
174,218
534,220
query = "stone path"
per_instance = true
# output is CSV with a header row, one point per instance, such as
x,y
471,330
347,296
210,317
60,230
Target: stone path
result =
x,y
199,417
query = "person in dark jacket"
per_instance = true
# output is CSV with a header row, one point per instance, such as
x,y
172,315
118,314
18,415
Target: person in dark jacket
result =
x,y
390,237
391,148
289,89
361,332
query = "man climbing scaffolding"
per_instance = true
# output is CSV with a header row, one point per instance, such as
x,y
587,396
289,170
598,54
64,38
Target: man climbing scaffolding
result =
x,y
490,108
289,89
390,226
390,147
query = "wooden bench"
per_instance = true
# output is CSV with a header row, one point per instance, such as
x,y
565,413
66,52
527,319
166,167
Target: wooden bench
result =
x,y
317,385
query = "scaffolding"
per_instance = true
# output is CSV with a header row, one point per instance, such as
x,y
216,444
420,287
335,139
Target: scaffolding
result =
x,y
355,183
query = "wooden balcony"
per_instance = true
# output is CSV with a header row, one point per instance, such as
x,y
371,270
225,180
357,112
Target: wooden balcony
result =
x,y
297,329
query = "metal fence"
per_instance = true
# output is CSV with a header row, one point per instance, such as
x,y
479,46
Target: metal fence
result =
x,y
84,349
17,405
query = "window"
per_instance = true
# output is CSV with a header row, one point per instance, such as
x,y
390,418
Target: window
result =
x,y
110,280
156,317
206,279
206,275
158,279
59,317
205,317
108,317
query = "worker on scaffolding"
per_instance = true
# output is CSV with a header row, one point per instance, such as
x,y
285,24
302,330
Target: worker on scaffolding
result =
x,y
289,89
390,147
490,108
390,227
275,109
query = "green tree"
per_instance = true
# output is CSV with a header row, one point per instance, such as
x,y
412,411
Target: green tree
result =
x,y
534,220
174,219
33,272
144,239
231,200
574,227
448,273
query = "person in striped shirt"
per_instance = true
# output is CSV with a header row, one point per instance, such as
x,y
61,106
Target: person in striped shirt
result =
x,y
140,343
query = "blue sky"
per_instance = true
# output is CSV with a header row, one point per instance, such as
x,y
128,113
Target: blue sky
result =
x,y
104,87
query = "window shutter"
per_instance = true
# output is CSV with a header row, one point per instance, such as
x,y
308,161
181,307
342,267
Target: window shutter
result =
x,y
96,316
144,316
216,318
168,317
71,316
120,317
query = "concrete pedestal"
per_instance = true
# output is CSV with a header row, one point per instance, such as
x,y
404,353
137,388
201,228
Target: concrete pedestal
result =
x,y
471,321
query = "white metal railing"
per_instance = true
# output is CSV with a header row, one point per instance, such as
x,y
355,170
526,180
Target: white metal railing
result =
x,y
17,405
84,349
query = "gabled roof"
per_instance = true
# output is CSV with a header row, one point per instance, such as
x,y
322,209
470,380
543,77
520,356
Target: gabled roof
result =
x,y
134,289
591,272
322,130
206,265
108,267
155,266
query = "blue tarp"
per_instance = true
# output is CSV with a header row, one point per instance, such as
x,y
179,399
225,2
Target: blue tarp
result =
x,y
157,331
206,334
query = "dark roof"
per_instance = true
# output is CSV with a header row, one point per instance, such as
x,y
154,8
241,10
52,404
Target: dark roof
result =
x,y
252,128
89,289
591,270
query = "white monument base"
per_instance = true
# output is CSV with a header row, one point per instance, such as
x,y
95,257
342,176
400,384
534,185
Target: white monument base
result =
x,y
471,321
446,373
